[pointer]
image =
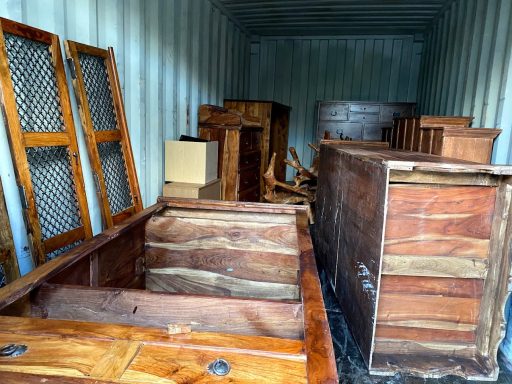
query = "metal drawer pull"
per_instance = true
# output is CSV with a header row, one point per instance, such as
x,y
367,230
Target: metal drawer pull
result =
x,y
334,113
13,350
219,367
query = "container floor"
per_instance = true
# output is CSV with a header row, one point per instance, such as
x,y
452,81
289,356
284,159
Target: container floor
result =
x,y
351,367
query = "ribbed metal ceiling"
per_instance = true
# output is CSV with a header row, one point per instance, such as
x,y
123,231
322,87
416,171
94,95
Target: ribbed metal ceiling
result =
x,y
334,17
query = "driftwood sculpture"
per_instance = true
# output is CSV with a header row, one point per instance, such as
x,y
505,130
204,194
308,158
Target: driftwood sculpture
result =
x,y
304,189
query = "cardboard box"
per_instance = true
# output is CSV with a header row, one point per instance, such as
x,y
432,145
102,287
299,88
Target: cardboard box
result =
x,y
210,191
191,162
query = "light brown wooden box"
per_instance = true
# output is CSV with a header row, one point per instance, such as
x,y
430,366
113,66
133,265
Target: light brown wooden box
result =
x,y
209,191
416,248
471,144
191,162
405,132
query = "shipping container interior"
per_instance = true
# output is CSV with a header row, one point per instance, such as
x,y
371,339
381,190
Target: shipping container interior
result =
x,y
451,57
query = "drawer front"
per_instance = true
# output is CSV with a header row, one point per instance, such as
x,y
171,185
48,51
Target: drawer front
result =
x,y
333,111
249,178
370,108
251,194
249,141
364,117
336,129
373,131
249,160
390,112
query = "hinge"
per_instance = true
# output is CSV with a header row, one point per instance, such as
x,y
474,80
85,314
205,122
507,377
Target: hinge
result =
x,y
72,69
23,196
96,182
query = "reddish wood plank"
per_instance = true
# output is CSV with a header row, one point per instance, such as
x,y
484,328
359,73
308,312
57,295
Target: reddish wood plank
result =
x,y
440,286
258,266
418,308
423,334
152,309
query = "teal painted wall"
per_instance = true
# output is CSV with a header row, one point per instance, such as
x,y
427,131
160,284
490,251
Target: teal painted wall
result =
x,y
299,71
172,56
467,67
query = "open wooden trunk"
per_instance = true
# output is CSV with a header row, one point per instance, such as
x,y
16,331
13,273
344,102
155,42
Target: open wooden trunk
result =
x,y
185,291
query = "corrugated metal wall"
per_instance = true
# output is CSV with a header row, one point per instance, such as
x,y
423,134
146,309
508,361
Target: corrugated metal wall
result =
x,y
467,69
300,71
172,56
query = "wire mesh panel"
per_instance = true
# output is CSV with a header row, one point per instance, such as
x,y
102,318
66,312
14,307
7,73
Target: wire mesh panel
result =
x,y
54,190
35,84
97,86
116,178
99,93
39,122
3,279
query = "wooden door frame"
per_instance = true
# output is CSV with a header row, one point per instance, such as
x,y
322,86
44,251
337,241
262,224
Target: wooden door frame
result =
x,y
20,140
93,137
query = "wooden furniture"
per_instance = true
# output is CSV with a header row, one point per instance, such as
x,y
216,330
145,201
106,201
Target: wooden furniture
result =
x,y
185,291
275,118
405,131
472,144
416,248
210,190
42,139
100,101
9,270
358,120
239,151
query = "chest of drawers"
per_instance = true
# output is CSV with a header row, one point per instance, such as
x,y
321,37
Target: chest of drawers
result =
x,y
239,151
358,120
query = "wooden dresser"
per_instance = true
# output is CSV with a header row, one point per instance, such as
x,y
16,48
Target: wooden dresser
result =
x,y
472,144
275,118
358,120
416,247
405,131
239,151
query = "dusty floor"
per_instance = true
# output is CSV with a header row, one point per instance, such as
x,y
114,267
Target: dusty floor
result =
x,y
351,367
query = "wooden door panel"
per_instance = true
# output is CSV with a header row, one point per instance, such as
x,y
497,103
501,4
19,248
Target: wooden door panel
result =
x,y
97,89
42,137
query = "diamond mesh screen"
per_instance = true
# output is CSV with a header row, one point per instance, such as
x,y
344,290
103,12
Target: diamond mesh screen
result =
x,y
35,85
3,280
116,178
99,94
54,190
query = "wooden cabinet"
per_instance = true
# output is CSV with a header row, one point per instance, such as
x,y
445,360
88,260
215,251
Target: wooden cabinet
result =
x,y
239,159
358,120
416,248
472,144
404,134
274,119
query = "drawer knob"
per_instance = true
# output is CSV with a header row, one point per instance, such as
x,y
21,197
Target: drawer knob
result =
x,y
13,350
219,367
334,113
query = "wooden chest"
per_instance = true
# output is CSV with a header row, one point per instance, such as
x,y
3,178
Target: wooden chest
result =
x,y
186,291
275,119
416,247
358,120
472,144
239,151
405,132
